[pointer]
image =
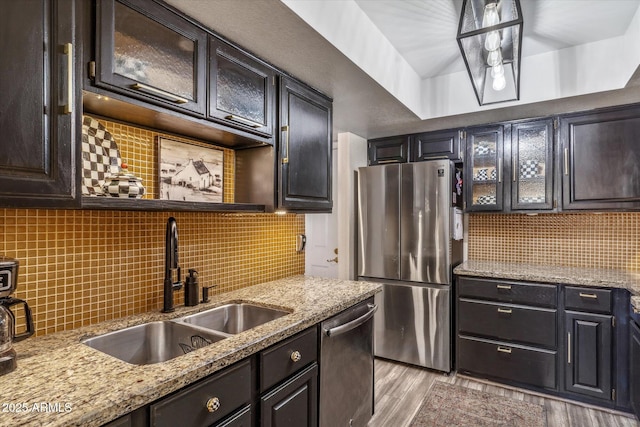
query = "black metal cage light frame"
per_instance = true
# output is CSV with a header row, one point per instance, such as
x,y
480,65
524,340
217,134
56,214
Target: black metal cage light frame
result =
x,y
490,40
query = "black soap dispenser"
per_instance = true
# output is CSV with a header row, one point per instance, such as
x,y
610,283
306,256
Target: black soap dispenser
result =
x,y
191,289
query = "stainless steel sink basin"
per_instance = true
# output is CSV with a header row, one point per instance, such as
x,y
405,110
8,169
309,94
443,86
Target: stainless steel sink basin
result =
x,y
233,318
153,342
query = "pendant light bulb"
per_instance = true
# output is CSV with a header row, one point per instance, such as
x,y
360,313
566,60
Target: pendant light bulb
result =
x,y
492,42
494,58
490,17
499,83
497,70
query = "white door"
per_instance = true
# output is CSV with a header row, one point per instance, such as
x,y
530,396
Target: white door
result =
x,y
321,258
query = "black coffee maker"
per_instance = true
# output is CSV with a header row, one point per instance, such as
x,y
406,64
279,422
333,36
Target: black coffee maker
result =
x,y
8,284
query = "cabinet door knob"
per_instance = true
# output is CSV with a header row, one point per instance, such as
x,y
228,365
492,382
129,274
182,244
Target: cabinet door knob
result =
x,y
296,356
213,404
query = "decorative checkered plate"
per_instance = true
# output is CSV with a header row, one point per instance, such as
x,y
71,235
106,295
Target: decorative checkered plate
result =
x,y
529,169
532,199
486,200
100,156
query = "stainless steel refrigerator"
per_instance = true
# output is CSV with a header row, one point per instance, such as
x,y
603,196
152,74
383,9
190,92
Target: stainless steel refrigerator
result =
x,y
407,219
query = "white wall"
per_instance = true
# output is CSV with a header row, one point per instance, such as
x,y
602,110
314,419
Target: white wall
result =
x,y
352,154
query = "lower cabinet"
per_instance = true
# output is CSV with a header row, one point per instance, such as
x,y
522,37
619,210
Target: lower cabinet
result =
x,y
634,367
274,388
563,340
589,354
207,402
294,403
508,331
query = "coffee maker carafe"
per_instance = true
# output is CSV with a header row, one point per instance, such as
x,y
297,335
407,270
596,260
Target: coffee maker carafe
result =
x,y
8,283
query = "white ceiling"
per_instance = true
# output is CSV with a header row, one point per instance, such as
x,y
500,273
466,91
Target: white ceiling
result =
x,y
424,31
394,67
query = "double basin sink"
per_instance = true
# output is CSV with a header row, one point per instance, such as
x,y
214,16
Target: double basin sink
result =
x,y
160,341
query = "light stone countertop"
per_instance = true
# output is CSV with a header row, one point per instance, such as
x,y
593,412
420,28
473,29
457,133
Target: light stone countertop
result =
x,y
594,277
81,386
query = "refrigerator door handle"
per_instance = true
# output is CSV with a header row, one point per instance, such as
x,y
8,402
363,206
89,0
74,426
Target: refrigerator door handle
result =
x,y
346,327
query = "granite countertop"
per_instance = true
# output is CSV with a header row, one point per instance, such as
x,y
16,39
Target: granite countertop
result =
x,y
595,277
62,382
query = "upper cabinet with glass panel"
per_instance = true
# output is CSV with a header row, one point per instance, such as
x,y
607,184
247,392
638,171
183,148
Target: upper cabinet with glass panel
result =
x,y
241,89
145,50
532,165
483,175
510,167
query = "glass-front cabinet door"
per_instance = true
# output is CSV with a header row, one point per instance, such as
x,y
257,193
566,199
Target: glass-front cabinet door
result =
x,y
148,52
241,89
484,176
532,165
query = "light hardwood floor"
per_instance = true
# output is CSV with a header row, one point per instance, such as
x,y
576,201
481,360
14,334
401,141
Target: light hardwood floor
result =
x,y
400,389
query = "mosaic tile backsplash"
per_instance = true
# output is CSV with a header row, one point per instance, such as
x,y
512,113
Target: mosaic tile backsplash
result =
x,y
83,267
607,240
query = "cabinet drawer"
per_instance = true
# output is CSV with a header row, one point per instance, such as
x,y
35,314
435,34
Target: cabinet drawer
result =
x,y
232,388
514,363
587,299
277,362
536,326
511,292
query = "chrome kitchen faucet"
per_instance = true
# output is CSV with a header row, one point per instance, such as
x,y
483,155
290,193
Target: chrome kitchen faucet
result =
x,y
171,266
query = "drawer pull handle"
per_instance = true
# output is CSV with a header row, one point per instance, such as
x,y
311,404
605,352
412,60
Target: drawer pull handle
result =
x,y
285,128
569,348
507,287
296,356
504,350
68,50
160,93
213,404
592,296
243,121
505,310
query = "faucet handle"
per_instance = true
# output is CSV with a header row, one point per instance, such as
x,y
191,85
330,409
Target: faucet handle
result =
x,y
205,292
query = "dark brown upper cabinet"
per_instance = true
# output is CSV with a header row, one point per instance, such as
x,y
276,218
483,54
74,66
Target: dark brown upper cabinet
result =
x,y
39,106
443,144
510,167
150,53
483,174
600,159
241,89
394,149
305,148
532,165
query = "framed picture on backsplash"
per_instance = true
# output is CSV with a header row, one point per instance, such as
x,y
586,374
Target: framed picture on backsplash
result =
x,y
189,171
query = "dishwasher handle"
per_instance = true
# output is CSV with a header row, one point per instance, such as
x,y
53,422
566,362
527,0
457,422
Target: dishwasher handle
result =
x,y
346,327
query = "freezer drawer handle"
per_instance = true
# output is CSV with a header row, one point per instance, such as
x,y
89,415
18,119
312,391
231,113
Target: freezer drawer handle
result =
x,y
353,324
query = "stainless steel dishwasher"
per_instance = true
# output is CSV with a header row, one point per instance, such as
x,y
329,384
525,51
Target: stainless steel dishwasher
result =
x,y
346,367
